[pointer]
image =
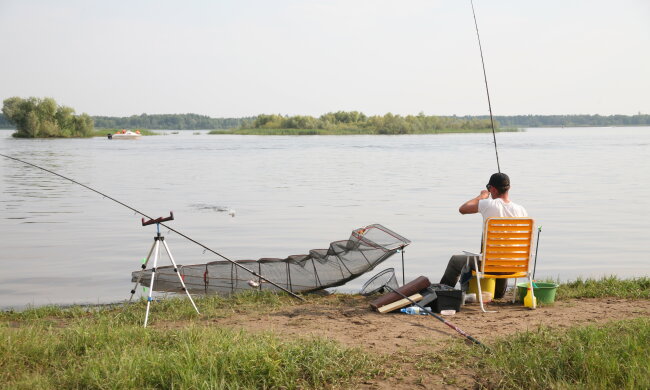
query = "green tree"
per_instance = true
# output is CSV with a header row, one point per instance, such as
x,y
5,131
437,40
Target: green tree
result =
x,y
36,117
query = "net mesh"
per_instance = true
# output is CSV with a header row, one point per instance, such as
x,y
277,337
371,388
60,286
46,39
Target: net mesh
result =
x,y
322,268
377,283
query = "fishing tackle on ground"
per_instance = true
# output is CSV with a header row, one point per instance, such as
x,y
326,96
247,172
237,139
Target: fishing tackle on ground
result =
x,y
377,283
437,317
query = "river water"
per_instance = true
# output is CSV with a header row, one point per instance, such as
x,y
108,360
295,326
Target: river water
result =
x,y
588,188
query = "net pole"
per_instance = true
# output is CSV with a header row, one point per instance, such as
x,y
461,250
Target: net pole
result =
x,y
403,272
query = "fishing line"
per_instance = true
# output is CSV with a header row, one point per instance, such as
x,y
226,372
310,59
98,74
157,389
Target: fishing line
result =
x,y
486,86
205,248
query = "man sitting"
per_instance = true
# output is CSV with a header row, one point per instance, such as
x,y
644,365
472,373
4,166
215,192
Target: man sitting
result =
x,y
491,202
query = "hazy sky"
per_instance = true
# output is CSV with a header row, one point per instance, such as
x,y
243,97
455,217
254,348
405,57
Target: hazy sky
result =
x,y
244,57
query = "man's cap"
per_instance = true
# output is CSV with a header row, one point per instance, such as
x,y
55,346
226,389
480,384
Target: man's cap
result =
x,y
499,180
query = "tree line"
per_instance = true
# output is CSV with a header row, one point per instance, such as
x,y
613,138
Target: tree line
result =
x,y
169,122
384,124
42,117
571,120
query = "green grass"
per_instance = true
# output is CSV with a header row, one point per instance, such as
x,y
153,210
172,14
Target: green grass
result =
x,y
342,131
615,355
610,286
96,356
176,308
98,347
106,347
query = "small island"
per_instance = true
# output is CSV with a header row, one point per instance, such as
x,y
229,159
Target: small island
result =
x,y
44,118
355,122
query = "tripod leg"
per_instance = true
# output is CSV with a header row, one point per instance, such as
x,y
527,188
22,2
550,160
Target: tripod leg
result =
x,y
169,253
153,275
144,266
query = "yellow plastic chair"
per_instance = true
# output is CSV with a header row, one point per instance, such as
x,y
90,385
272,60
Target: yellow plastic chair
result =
x,y
507,248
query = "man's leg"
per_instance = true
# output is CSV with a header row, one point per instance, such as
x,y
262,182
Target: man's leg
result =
x,y
454,269
500,288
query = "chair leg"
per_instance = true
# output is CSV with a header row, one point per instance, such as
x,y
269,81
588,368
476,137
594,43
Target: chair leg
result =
x,y
478,286
514,291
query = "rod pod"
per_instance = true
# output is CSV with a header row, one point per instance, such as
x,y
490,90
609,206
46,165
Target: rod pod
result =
x,y
155,249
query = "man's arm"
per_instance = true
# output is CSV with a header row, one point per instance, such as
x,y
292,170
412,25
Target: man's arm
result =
x,y
471,206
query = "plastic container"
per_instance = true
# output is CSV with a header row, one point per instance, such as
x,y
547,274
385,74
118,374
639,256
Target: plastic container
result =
x,y
413,310
471,298
448,298
530,301
487,285
544,292
487,296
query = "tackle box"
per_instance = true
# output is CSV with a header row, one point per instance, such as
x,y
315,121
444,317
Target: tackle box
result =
x,y
448,298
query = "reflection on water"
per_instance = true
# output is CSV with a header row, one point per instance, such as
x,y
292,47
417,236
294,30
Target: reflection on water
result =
x,y
61,243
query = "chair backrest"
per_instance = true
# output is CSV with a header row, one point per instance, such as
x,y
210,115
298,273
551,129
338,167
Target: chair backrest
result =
x,y
507,245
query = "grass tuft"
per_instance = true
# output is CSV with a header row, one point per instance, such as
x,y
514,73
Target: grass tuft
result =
x,y
613,356
96,356
173,308
610,286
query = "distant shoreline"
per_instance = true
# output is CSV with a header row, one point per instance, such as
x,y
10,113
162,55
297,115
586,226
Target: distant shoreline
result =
x,y
349,131
203,122
102,132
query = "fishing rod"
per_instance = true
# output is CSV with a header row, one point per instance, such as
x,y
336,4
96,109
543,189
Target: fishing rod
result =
x,y
486,86
162,224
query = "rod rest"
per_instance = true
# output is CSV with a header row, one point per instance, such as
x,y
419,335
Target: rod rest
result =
x,y
158,220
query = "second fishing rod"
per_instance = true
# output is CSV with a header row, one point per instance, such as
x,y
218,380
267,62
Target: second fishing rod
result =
x,y
487,89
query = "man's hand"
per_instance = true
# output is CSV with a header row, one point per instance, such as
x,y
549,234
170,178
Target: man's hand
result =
x,y
471,206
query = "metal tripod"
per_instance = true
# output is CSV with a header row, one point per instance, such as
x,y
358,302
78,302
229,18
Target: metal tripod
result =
x,y
155,249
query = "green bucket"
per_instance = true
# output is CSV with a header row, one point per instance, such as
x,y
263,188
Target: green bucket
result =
x,y
544,292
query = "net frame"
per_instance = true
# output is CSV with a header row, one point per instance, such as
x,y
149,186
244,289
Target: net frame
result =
x,y
377,283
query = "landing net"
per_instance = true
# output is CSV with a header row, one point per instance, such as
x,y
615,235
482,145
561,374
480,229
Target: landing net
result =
x,y
322,268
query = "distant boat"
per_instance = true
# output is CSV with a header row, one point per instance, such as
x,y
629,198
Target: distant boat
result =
x,y
125,134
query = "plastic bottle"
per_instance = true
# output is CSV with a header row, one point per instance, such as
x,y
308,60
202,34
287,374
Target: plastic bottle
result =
x,y
530,300
413,310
